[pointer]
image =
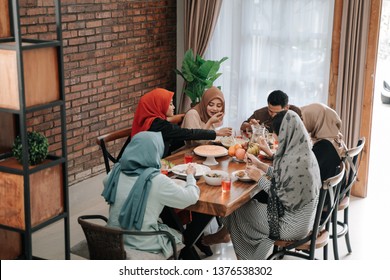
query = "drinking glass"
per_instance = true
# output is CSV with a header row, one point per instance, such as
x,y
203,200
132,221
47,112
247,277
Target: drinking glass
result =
x,y
188,157
226,184
164,169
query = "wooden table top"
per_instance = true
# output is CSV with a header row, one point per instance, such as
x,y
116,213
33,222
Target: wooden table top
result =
x,y
212,201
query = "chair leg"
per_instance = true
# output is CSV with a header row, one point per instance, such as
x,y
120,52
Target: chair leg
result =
x,y
346,222
325,252
334,235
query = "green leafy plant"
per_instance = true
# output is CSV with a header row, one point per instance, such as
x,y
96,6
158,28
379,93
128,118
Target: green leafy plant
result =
x,y
37,148
199,74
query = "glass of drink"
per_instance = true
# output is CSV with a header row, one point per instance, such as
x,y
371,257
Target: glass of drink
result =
x,y
188,157
226,184
164,169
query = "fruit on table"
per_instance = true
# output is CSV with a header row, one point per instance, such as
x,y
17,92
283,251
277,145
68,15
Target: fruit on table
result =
x,y
253,149
237,146
232,151
240,153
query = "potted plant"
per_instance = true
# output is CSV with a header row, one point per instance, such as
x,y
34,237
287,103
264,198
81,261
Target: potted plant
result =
x,y
199,75
37,148
45,185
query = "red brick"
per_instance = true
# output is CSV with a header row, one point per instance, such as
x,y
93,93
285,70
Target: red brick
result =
x,y
114,51
94,23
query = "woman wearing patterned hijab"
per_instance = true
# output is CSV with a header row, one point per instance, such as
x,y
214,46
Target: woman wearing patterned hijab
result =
x,y
207,114
324,127
292,184
151,115
137,193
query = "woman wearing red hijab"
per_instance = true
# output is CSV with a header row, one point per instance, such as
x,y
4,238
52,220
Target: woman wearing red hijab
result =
x,y
151,115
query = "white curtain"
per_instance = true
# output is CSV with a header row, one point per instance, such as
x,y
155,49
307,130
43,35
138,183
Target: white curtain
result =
x,y
272,44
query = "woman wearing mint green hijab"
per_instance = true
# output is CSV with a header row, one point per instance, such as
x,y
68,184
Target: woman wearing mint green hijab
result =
x,y
137,193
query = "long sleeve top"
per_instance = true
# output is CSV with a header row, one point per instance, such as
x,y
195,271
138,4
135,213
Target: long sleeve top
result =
x,y
163,192
262,115
193,120
174,136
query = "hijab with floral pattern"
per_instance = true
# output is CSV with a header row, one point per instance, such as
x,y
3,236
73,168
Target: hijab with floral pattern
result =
x,y
296,180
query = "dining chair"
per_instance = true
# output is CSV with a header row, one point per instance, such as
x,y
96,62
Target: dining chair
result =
x,y
106,243
111,142
319,235
341,228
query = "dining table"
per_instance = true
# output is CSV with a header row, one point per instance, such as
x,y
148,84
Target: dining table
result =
x,y
212,201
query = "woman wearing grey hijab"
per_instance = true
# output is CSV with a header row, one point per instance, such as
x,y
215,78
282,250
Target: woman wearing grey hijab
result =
x,y
137,192
292,185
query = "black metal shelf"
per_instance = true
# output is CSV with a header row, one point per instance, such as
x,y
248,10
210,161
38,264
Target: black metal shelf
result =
x,y
54,160
35,108
10,44
15,42
40,226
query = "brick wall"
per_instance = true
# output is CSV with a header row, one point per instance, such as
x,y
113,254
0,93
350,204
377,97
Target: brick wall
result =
x,y
114,51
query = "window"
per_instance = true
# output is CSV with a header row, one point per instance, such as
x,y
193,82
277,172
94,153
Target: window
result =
x,y
272,44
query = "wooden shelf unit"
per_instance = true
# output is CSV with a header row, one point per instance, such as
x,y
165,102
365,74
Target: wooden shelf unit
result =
x,y
41,81
31,80
5,30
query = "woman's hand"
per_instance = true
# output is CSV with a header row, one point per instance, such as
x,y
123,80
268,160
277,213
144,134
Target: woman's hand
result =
x,y
252,160
217,118
214,121
253,172
191,169
263,145
225,131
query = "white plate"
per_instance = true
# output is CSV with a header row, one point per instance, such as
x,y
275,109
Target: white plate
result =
x,y
238,160
229,141
210,151
180,170
217,140
263,155
244,178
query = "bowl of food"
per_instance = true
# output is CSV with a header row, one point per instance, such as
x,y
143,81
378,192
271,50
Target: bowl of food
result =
x,y
214,177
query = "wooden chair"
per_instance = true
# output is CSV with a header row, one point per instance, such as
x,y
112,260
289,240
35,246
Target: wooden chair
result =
x,y
341,228
319,236
111,142
123,136
106,243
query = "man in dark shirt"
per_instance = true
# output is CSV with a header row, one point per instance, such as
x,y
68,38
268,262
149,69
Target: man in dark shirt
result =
x,y
277,102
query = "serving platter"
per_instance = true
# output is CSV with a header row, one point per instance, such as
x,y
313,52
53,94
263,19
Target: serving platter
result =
x,y
210,152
